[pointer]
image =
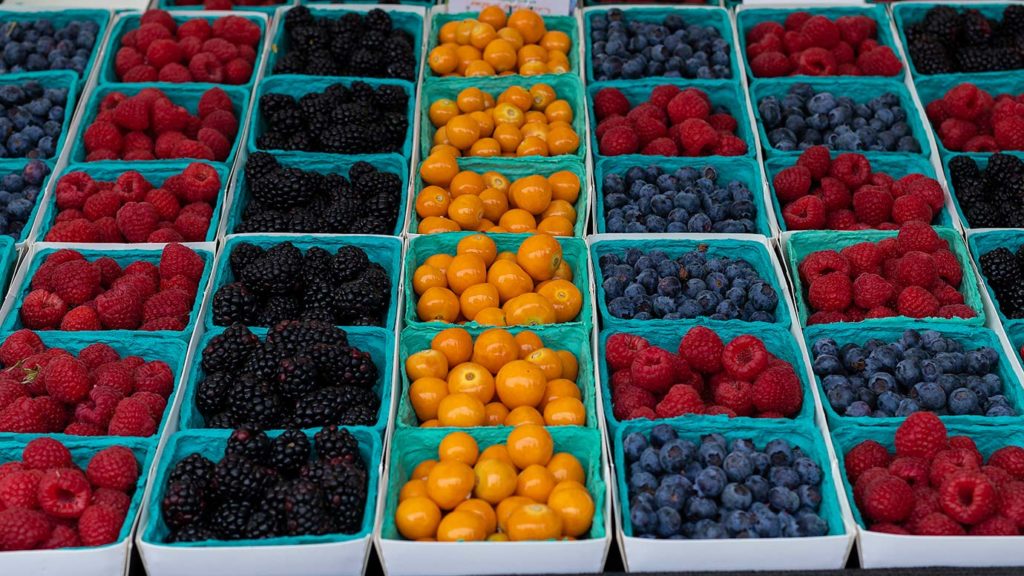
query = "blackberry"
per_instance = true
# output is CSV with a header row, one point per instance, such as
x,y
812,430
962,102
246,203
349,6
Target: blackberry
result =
x,y
343,139
288,187
972,59
296,376
221,420
211,393
361,415
251,443
378,20
1013,19
362,168
259,165
304,221
183,504
290,63
262,524
269,221
316,264
318,301
332,443
303,510
232,303
276,309
394,127
383,207
289,452
371,225
363,62
310,38
255,403
242,254
1011,300
274,103
943,22
195,469
930,57
321,62
295,336
298,16
962,167
975,28
279,271
390,98
229,349
983,215
239,478
357,298
1001,168
262,363
344,365
1000,267
337,216
230,520
344,486
319,408
349,262
191,533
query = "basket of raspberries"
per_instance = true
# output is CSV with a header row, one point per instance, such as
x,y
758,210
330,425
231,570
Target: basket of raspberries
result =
x,y
968,118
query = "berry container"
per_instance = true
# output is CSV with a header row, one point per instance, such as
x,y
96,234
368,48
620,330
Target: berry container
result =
x,y
157,174
87,560
298,86
514,168
571,338
880,550
440,15
409,19
401,557
240,195
8,261
319,555
895,164
178,7
779,341
149,347
384,250
123,254
186,95
811,553
56,79
750,247
703,16
131,21
421,247
567,87
972,337
859,88
796,247
749,16
61,18
932,88
981,242
981,159
17,166
745,170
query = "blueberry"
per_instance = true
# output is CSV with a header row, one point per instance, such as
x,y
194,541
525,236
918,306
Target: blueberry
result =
x,y
736,496
779,452
709,530
689,308
633,445
698,508
907,407
929,395
809,471
643,482
880,382
737,466
668,522
673,495
783,499
908,144
621,308
827,364
643,519
699,223
963,401
710,482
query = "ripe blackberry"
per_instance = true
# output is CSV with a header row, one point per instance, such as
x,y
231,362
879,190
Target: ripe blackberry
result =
x,y
221,420
360,415
259,164
394,126
289,452
191,533
279,271
229,349
378,20
357,298
271,103
930,56
344,139
1002,168
296,376
249,442
238,478
987,59
344,485
361,168
303,510
1011,301
318,301
975,28
230,520
319,408
1013,19
349,262
211,393
262,363
943,22
363,62
390,98
1000,267
276,309
254,402
322,63
298,16
371,225
268,221
295,336
982,215
963,167
183,504
346,365
242,254
332,443
263,524
234,302
285,187
194,468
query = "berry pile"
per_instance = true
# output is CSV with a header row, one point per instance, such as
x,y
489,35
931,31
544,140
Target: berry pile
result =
x,y
820,192
704,376
352,45
33,119
131,209
283,283
150,126
49,502
71,293
19,191
913,274
160,49
919,371
672,122
518,491
948,41
268,487
496,379
652,200
969,119
805,117
645,286
814,45
712,490
40,44
290,199
96,393
632,49
1004,271
303,374
356,119
993,197
936,484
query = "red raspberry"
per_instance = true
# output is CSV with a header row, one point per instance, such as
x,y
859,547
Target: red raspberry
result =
x,y
778,390
968,497
831,292
864,456
863,257
938,524
156,403
1009,133
24,416
806,213
981,143
844,54
922,434
102,136
871,291
662,95
913,470
1010,459
192,227
916,269
744,357
132,418
619,140
194,149
215,141
729,145
80,231
206,67
653,369
648,128
679,400
174,72
770,65
79,319
888,499
224,51
75,282
161,17
126,59
690,103
881,61
1012,505
140,285
163,52
621,349
642,412
237,30
195,27
627,398
822,262
198,183
165,202
816,160
167,143
224,122
99,525
42,309
856,29
22,529
168,117
103,203
723,122
63,536
114,499
911,207
99,409
67,379
697,137
816,61
820,31
995,526
20,345
967,102
64,492
97,354
83,429
955,133
217,99
19,489
137,220
237,71
171,303
660,147
115,375
854,170
792,183
872,204
141,73
178,259
608,102
119,309
132,114
132,186
763,29
734,395
918,236
702,350
887,528
145,268
115,468
916,302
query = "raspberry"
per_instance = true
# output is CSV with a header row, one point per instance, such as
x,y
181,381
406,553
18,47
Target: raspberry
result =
x,y
653,369
744,357
911,207
24,416
19,346
995,526
196,27
913,470
132,114
22,529
132,186
855,29
831,292
141,285
119,309
723,122
619,140
19,489
64,492
820,31
816,61
967,102
871,291
206,67
223,50
224,122
816,160
237,30
734,395
697,137
820,263
778,390
76,281
126,59
690,103
864,456
177,259
97,354
770,65
662,95
168,117
872,205
114,499
863,257
99,409
792,183
154,402
102,136
621,349
968,497
80,319
42,309
101,204
155,377
99,525
918,236
1009,133
938,524
854,170
888,499
217,99
161,17
83,429
141,73
887,528
1010,459
922,434
67,379
215,141
163,52
627,398
806,213
729,145
916,269
132,418
955,133
648,128
916,302
702,350
764,29
115,468
165,202
1012,505
168,303
167,143
175,73
608,102
881,61
680,399
660,147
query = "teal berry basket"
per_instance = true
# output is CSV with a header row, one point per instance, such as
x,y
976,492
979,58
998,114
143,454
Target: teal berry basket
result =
x,y
972,337
747,19
803,435
894,164
779,341
984,242
156,174
981,159
408,22
1015,332
859,88
123,257
186,95
268,10
987,438
299,86
324,164
17,166
725,93
409,447
211,444
130,22
932,88
383,250
379,342
565,24
704,16
572,338
740,169
8,260
62,79
61,18
150,348
797,246
574,251
513,169
567,87
754,252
